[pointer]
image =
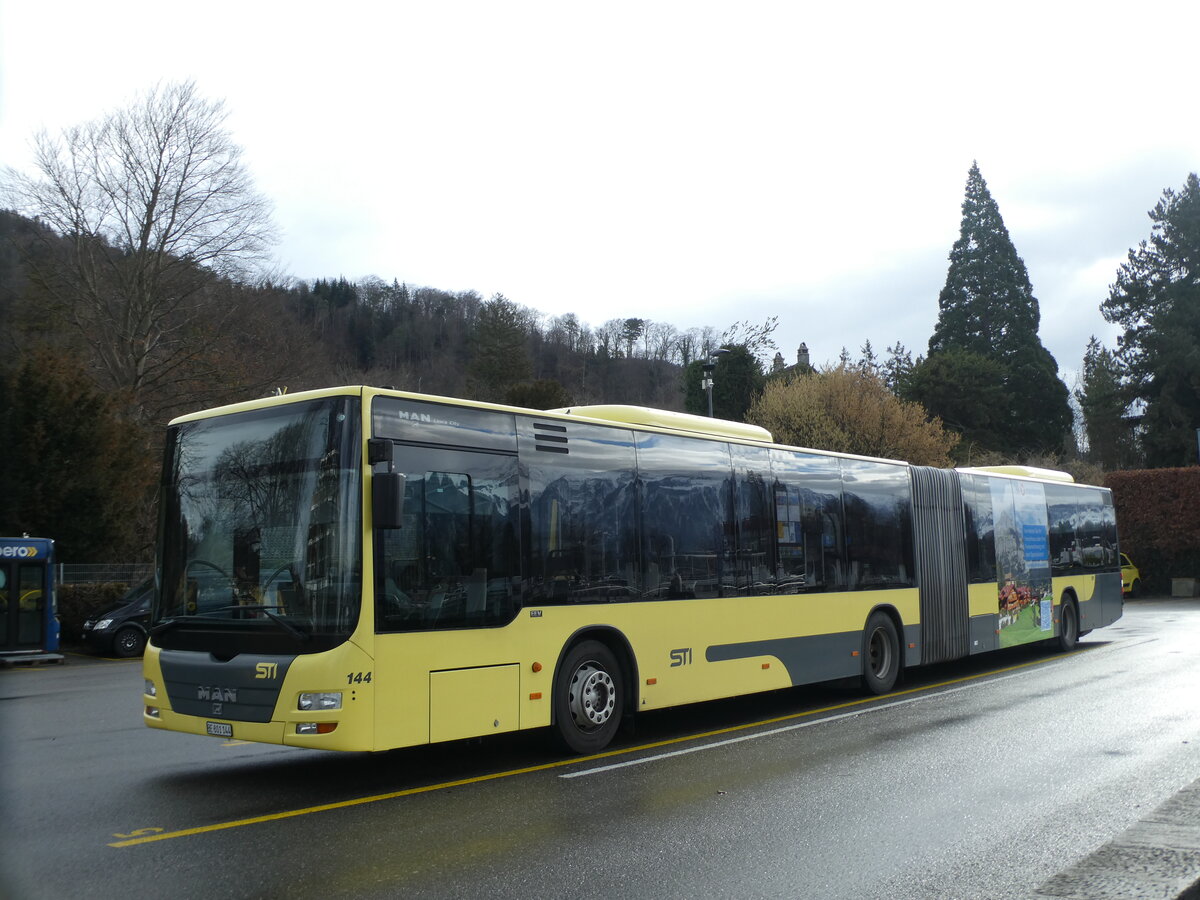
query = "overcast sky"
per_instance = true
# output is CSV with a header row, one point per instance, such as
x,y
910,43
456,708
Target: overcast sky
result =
x,y
695,163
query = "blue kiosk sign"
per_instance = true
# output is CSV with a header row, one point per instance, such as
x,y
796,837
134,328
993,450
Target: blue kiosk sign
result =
x,y
28,608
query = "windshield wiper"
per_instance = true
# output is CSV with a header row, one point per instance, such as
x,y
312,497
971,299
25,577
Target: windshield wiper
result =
x,y
257,607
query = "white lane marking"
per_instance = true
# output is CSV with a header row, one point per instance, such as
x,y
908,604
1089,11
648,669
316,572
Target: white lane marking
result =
x,y
798,725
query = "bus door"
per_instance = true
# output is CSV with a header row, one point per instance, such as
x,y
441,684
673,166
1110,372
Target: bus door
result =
x,y
25,597
453,566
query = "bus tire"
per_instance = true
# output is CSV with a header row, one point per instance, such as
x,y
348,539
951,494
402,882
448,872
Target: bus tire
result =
x,y
880,653
589,698
1068,624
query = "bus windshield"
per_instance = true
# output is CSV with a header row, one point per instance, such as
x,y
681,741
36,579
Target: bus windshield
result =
x,y
260,530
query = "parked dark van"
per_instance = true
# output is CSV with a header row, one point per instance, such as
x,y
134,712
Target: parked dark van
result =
x,y
121,630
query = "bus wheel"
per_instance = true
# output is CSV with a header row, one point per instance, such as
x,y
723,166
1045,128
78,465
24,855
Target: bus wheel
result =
x,y
588,698
881,654
1068,625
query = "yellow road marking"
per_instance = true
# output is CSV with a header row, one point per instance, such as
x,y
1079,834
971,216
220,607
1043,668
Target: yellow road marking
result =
x,y
136,659
558,764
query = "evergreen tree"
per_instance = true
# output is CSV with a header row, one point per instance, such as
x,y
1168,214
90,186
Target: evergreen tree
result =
x,y
987,304
868,362
1103,403
1156,299
76,472
987,308
738,379
966,391
500,356
631,332
897,367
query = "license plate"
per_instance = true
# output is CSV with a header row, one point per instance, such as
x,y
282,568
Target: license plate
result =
x,y
219,729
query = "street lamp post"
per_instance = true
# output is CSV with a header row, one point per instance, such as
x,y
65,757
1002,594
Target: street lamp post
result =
x,y
709,364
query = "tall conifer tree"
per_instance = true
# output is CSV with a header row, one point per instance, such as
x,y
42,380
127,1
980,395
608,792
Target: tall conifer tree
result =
x,y
987,310
1156,299
1103,402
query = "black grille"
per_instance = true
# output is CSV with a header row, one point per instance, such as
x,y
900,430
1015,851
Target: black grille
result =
x,y
550,438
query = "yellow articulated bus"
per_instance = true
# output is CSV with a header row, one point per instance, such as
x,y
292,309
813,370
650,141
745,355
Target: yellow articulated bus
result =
x,y
364,569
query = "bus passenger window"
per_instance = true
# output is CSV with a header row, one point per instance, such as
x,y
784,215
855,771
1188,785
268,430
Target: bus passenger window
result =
x,y
455,559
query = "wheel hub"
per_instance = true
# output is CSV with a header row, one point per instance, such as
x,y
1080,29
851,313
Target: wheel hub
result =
x,y
880,653
593,696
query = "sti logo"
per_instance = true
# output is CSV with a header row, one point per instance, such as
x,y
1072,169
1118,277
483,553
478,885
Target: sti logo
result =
x,y
268,670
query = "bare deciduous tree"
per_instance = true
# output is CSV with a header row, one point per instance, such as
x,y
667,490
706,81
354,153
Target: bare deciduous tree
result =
x,y
154,201
755,338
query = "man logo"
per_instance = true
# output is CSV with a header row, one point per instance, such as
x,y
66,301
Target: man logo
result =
x,y
266,670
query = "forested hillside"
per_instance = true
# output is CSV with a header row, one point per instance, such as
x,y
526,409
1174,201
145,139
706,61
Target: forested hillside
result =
x,y
86,393
238,341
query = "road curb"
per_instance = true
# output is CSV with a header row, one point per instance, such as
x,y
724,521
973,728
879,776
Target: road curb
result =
x,y
1159,857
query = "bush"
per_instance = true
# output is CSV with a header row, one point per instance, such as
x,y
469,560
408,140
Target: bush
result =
x,y
1158,519
78,602
850,411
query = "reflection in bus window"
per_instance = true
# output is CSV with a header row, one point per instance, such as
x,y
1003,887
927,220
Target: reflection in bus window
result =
x,y
1083,530
583,523
756,569
878,502
454,562
980,529
808,511
687,525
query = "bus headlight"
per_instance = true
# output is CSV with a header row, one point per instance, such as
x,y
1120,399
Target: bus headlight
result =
x,y
321,701
151,688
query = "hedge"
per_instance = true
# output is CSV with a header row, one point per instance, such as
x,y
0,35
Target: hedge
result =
x,y
1158,521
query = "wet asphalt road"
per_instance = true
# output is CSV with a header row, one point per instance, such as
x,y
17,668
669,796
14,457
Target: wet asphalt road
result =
x,y
982,778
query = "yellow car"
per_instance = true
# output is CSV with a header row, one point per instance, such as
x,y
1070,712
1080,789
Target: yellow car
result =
x,y
1131,578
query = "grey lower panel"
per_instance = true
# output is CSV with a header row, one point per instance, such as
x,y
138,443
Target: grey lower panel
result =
x,y
1091,613
812,658
983,636
1112,601
818,657
912,645
1105,605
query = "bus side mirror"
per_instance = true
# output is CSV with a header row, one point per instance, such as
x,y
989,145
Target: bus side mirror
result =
x,y
387,499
